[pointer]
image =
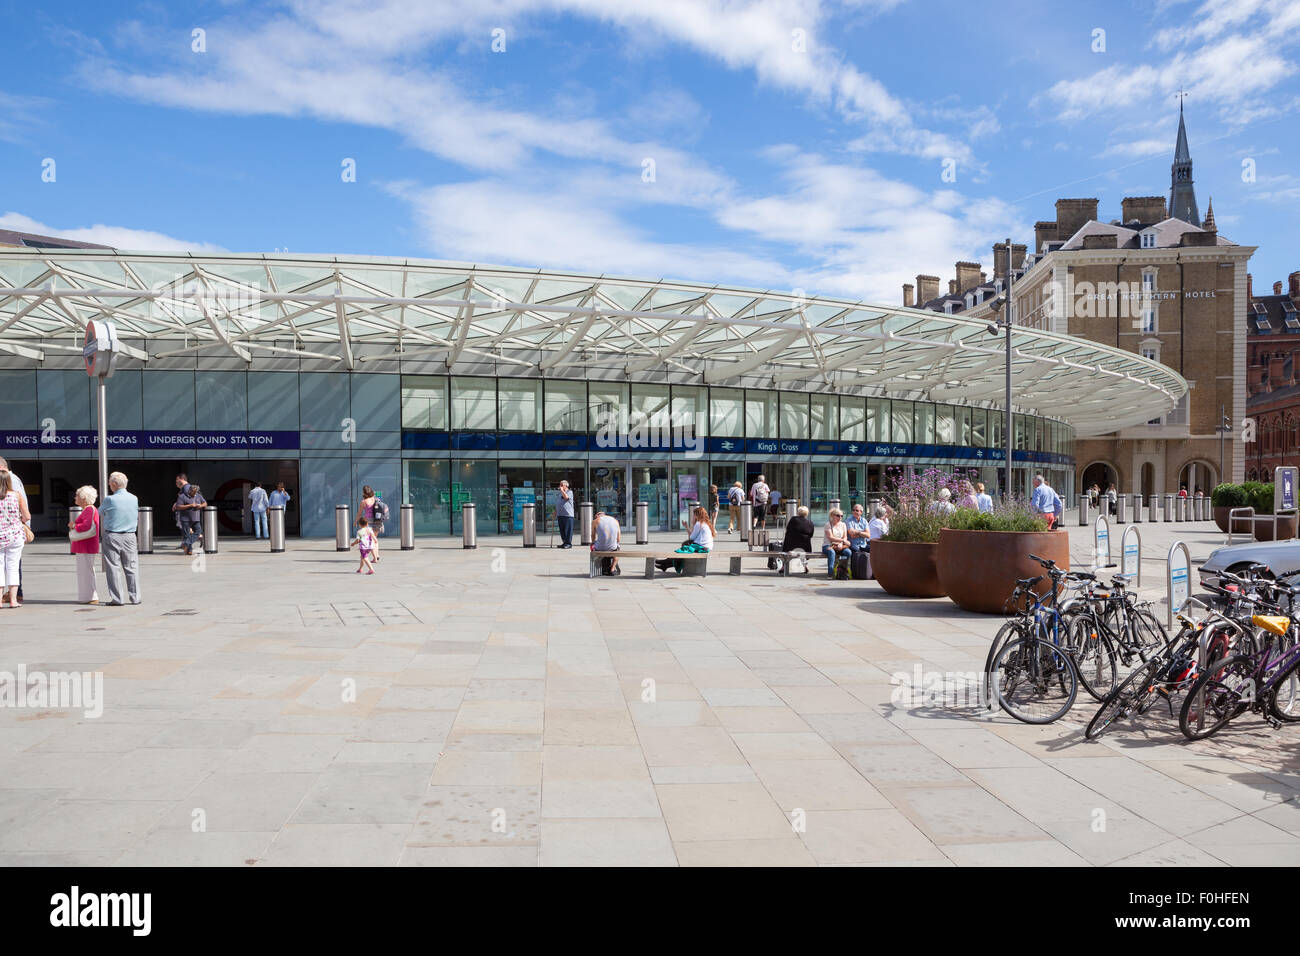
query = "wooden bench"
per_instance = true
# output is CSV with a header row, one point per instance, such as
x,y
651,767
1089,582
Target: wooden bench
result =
x,y
736,557
650,558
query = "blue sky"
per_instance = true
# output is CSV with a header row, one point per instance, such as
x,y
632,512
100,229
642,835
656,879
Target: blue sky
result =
x,y
796,144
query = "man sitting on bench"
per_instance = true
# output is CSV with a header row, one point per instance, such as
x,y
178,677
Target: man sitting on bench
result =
x,y
606,536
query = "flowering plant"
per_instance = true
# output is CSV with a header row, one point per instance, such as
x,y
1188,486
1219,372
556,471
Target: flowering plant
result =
x,y
920,511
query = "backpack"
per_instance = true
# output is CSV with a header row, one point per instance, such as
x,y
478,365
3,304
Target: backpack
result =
x,y
380,510
735,496
844,569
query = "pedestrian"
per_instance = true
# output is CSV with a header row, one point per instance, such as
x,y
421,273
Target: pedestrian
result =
x,y
943,505
714,505
118,518
968,498
606,535
257,505
181,481
83,535
859,533
189,511
982,501
1047,502
798,538
759,493
564,513
374,511
735,497
15,533
1111,498
367,543
878,526
17,484
835,540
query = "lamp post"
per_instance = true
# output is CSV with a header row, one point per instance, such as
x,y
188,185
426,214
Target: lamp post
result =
x,y
1225,426
1003,302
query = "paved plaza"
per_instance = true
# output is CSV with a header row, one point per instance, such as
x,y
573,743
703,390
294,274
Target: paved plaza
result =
x,y
499,708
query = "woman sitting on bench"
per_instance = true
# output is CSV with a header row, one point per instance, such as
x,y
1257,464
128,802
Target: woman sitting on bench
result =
x,y
835,541
700,541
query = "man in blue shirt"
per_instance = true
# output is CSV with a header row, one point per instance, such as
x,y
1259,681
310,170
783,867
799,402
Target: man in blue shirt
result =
x,y
257,504
859,530
1047,502
118,517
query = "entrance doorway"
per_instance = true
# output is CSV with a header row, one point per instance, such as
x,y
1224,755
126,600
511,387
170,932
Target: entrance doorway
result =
x,y
609,482
786,479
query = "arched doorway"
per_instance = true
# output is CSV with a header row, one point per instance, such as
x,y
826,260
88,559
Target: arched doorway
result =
x,y
1198,474
1148,479
1099,473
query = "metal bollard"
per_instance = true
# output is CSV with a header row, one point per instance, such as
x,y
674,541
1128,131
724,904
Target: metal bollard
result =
x,y
791,506
341,528
588,511
835,503
407,527
1153,508
1205,508
1137,509
468,525
1084,503
642,522
1121,506
691,505
144,531
210,530
530,524
275,527
746,518
1168,510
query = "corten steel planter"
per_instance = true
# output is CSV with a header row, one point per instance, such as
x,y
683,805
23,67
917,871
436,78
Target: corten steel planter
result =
x,y
1241,525
1286,527
978,569
906,568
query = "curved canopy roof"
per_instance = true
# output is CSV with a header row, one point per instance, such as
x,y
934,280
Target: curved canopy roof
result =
x,y
355,310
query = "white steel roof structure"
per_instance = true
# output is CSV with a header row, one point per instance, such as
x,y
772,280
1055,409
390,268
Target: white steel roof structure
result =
x,y
356,310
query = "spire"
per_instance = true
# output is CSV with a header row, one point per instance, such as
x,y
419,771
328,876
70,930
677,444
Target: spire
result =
x,y
1209,225
1182,196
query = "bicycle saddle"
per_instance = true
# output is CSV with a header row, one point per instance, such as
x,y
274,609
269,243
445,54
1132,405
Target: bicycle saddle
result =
x,y
1272,623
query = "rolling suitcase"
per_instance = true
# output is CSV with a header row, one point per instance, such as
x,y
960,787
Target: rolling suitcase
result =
x,y
861,566
774,563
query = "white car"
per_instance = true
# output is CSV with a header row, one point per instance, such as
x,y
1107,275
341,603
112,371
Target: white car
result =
x,y
1278,556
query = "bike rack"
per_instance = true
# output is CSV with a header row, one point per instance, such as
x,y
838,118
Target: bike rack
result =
x,y
1248,512
1135,551
1100,534
1180,589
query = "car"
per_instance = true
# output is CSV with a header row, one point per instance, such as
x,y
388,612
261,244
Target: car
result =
x,y
1278,556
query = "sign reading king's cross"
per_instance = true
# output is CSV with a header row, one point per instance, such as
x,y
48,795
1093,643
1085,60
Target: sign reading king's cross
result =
x,y
100,349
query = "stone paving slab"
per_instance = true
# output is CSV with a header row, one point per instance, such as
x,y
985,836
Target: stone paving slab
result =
x,y
498,707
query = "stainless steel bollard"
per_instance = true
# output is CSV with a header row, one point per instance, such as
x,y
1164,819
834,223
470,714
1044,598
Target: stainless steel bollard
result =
x,y
746,518
791,506
144,531
1084,502
342,530
275,527
691,505
468,525
1205,508
1137,509
1121,506
210,530
588,512
642,522
835,503
407,527
1168,510
1153,508
530,524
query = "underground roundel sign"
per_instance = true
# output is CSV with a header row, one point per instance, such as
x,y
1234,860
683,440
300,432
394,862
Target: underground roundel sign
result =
x,y
100,348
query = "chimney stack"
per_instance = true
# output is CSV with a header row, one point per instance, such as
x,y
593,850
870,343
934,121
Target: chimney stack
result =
x,y
927,288
907,295
1293,283
1143,209
968,276
1250,287
952,286
1073,214
1018,252
1277,288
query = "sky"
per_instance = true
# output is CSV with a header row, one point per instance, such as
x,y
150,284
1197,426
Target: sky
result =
x,y
828,147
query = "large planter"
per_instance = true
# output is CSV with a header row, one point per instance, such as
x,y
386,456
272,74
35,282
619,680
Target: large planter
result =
x,y
1286,527
978,569
1240,525
906,568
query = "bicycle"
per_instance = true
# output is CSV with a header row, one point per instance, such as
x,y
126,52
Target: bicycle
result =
x,y
1110,627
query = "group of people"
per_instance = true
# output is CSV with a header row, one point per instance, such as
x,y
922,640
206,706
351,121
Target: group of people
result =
x,y
763,499
1095,494
840,537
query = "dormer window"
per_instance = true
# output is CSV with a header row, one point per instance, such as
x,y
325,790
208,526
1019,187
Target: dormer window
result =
x,y
970,299
947,306
1149,239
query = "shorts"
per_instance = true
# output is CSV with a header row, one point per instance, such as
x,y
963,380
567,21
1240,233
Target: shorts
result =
x,y
760,511
366,552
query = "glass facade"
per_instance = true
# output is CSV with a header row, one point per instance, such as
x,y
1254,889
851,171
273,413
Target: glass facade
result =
x,y
438,441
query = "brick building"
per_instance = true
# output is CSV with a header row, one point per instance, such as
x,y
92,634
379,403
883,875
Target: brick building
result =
x,y
1160,285
1273,378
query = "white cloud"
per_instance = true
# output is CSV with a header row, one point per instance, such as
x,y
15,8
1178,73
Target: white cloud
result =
x,y
1138,148
119,237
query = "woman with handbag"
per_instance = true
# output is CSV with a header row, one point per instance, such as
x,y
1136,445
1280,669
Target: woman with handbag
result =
x,y
83,532
14,535
700,542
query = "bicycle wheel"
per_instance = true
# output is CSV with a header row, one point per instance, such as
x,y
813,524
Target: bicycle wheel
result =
x,y
1012,630
1094,656
1034,681
1148,633
1223,692
1284,703
1128,698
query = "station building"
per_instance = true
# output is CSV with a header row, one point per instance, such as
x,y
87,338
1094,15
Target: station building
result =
x,y
439,383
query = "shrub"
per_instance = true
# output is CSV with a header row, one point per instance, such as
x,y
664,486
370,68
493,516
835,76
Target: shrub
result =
x,y
910,526
1261,498
1228,495
1010,518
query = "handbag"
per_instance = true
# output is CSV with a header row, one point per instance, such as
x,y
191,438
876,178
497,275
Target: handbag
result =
x,y
29,534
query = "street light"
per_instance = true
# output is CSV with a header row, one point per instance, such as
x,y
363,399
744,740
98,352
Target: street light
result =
x,y
1003,301
1225,426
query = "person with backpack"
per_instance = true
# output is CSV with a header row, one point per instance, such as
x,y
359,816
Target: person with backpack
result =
x,y
735,498
759,493
373,509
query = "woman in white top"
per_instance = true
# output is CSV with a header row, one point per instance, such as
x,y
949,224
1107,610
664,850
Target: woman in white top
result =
x,y
835,539
14,519
700,541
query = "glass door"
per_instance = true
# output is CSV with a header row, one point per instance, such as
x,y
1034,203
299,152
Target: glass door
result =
x,y
691,482
609,485
852,489
822,489
649,483
428,488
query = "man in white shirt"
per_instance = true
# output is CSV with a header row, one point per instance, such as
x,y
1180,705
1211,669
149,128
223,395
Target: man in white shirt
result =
x,y
878,525
759,493
17,484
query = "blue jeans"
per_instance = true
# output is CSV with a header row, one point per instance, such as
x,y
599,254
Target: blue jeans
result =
x,y
831,557
259,525
191,533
